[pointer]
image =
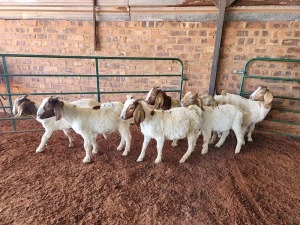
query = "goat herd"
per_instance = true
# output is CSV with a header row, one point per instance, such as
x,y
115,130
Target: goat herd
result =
x,y
171,119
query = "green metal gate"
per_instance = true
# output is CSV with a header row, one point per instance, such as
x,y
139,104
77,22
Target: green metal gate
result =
x,y
245,75
96,75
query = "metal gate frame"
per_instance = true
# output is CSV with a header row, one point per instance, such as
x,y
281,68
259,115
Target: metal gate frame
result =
x,y
97,75
246,76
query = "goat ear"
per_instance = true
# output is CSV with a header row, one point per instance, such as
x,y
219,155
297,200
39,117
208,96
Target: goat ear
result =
x,y
224,92
18,112
58,109
201,104
139,114
159,101
268,97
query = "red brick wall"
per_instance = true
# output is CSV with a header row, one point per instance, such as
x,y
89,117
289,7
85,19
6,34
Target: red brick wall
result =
x,y
192,42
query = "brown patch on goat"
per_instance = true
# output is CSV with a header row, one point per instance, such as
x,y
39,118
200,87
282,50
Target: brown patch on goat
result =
x,y
138,114
162,101
130,110
268,98
97,107
25,107
53,107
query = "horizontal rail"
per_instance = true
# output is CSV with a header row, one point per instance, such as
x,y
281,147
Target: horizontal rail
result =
x,y
79,93
278,132
272,78
90,75
283,121
285,110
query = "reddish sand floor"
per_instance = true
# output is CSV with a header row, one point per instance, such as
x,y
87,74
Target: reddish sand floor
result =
x,y
261,185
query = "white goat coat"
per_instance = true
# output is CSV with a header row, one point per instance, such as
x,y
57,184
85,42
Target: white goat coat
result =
x,y
88,121
253,109
99,121
222,118
52,123
171,124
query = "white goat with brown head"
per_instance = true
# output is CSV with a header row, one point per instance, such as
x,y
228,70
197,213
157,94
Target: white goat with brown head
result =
x,y
23,106
171,124
222,119
88,121
256,108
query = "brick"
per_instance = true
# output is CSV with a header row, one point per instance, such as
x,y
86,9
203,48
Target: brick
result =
x,y
290,42
293,50
256,25
278,25
184,40
241,41
265,33
193,33
208,24
242,33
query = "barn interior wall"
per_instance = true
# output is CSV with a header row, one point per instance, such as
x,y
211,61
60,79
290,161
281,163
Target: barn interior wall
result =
x,y
192,42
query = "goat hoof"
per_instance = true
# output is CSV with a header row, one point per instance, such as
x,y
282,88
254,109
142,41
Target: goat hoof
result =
x,y
157,161
218,146
94,152
250,139
237,151
39,150
86,160
125,153
204,152
139,160
182,160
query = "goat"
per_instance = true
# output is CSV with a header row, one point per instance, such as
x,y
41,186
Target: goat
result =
x,y
219,119
256,108
87,122
23,106
171,124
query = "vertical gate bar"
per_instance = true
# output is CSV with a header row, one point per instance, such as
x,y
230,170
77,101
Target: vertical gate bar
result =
x,y
97,80
94,24
218,40
181,79
7,83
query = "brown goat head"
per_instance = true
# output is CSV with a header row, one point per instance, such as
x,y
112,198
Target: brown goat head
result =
x,y
151,96
51,107
24,107
162,101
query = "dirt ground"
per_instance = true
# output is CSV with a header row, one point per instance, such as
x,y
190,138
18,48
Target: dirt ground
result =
x,y
261,185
